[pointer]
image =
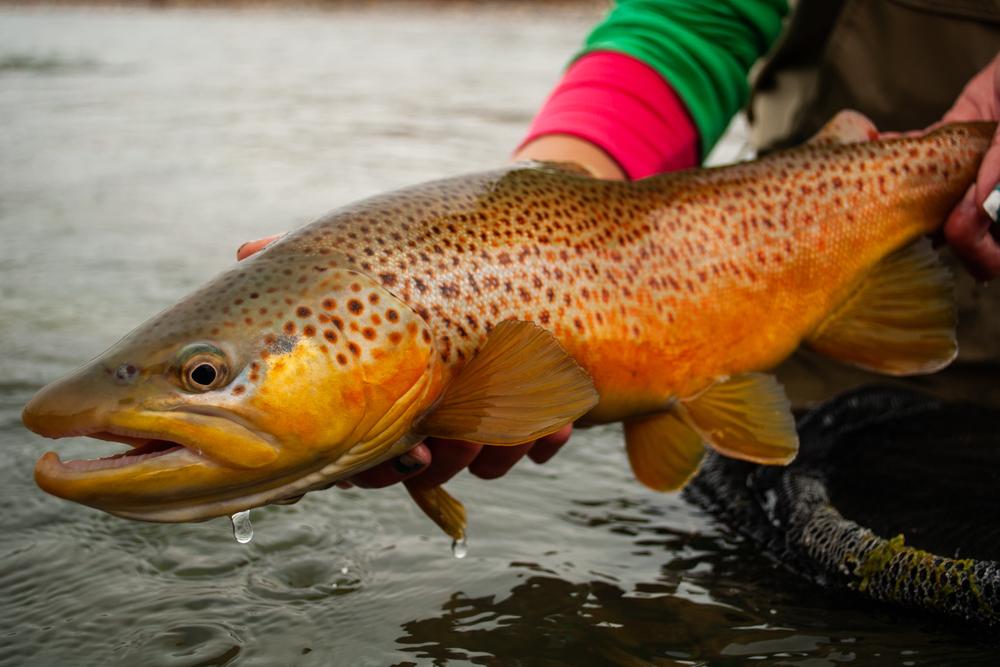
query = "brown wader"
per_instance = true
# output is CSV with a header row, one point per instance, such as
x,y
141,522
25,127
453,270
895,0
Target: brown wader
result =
x,y
902,63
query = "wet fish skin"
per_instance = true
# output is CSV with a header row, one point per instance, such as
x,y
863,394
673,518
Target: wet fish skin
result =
x,y
337,345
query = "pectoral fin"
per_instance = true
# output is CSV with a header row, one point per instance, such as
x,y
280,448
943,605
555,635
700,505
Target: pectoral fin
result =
x,y
520,386
441,507
664,451
746,417
900,320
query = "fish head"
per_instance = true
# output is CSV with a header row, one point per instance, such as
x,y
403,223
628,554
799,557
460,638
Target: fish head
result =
x,y
282,375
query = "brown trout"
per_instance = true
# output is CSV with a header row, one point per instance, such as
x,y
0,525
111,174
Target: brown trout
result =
x,y
499,306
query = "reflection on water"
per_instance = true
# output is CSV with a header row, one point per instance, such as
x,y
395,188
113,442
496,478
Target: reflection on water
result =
x,y
138,149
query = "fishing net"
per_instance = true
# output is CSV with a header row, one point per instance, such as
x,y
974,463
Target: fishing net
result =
x,y
894,495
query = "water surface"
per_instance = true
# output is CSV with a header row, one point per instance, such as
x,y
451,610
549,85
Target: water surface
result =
x,y
138,149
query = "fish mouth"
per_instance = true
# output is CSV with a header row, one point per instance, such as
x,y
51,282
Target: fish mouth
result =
x,y
183,464
142,449
211,434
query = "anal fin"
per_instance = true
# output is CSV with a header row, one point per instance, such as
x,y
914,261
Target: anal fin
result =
x,y
746,417
664,451
900,320
442,508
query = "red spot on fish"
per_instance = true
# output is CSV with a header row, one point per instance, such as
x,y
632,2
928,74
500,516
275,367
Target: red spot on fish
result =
x,y
302,311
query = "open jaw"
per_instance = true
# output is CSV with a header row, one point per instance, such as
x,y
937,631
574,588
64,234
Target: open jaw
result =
x,y
162,438
181,465
141,450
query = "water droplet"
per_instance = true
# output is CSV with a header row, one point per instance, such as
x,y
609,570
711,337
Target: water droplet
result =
x,y
460,548
343,570
242,528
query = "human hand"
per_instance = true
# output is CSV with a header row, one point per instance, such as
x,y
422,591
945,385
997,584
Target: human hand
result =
x,y
968,230
437,460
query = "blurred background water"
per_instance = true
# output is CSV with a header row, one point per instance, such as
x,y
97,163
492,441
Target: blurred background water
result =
x,y
138,149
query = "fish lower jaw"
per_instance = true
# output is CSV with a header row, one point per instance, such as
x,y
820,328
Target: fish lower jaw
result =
x,y
212,508
51,468
139,453
321,477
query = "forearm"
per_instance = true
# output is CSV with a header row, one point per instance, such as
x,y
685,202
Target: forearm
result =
x,y
656,83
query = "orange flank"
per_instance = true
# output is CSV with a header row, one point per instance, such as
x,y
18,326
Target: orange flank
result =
x,y
497,307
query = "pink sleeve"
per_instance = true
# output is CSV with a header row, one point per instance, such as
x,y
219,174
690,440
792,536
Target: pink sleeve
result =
x,y
623,106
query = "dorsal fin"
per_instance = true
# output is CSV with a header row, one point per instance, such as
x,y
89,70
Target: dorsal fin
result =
x,y
568,167
520,386
847,127
900,320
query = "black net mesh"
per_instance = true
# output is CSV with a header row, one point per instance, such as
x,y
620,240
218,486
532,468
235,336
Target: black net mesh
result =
x,y
894,495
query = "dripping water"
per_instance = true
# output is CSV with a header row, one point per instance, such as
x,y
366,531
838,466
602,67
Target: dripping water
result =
x,y
242,528
460,548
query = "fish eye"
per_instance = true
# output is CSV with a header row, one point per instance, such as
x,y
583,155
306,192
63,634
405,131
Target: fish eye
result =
x,y
202,367
204,374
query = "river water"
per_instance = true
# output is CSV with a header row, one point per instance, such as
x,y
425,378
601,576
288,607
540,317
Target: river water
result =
x,y
138,149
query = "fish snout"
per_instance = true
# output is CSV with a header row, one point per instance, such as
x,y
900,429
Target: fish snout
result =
x,y
72,405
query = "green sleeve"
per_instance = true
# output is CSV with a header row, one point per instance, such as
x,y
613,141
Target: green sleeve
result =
x,y
703,48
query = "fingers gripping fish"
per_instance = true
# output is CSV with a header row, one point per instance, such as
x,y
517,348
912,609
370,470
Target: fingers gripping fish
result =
x,y
497,307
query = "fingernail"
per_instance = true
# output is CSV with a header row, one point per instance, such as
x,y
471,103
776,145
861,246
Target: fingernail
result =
x,y
240,249
992,203
405,464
